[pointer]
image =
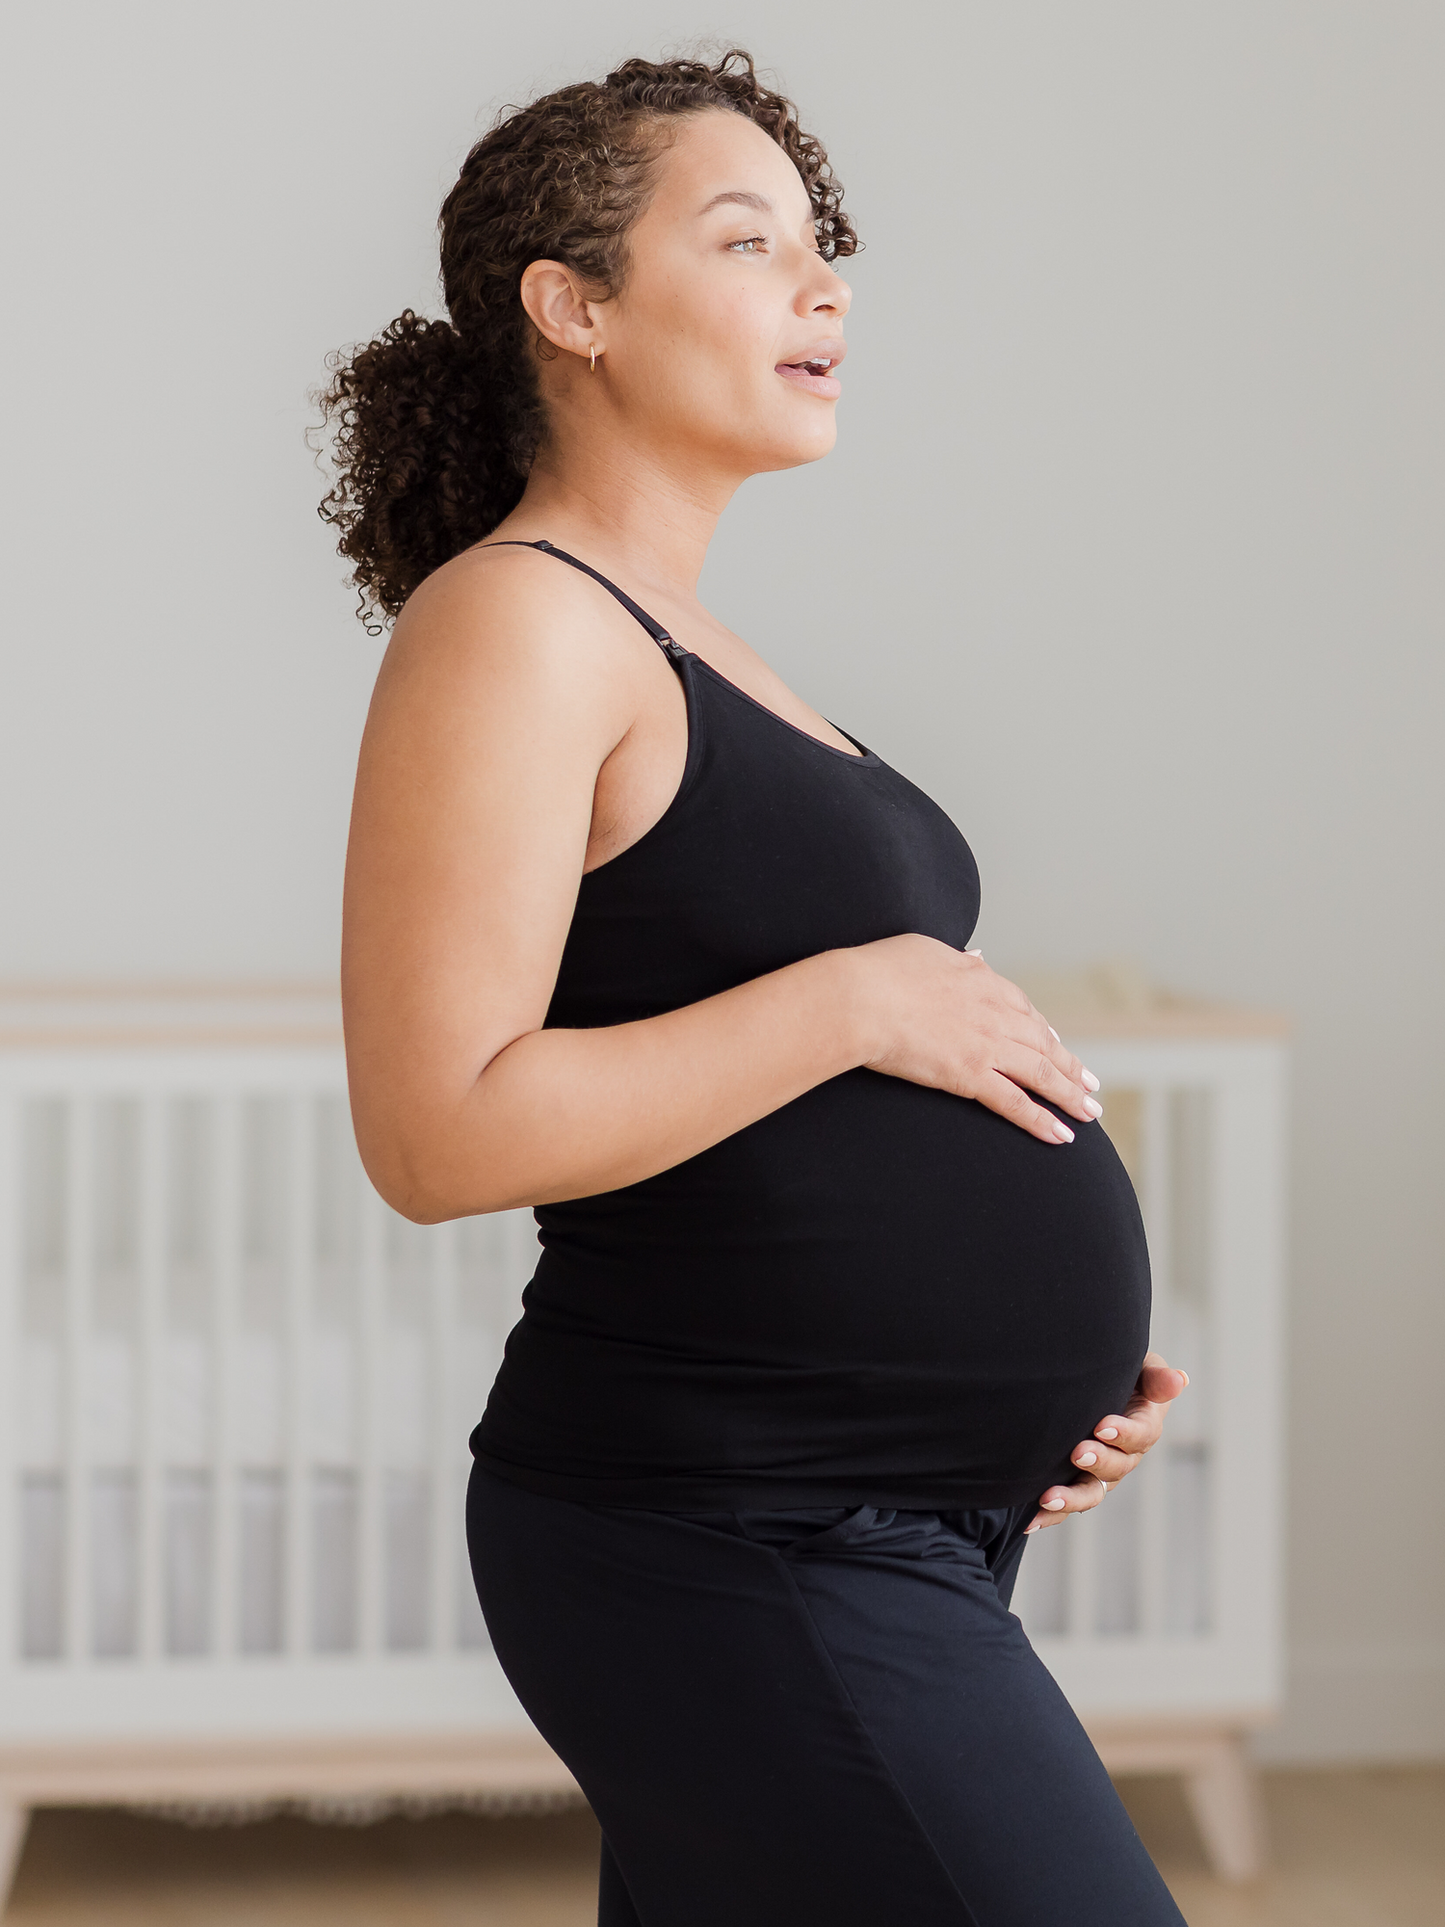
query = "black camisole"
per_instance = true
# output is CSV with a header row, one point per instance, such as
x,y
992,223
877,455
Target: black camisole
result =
x,y
880,1293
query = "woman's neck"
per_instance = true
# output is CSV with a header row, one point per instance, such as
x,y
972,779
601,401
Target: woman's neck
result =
x,y
623,504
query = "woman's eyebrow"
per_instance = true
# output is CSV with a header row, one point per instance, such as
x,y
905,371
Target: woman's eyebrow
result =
x,y
743,197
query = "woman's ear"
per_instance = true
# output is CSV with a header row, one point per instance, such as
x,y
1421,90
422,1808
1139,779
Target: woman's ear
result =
x,y
559,309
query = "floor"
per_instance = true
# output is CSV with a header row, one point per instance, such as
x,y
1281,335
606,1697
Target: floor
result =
x,y
1351,1849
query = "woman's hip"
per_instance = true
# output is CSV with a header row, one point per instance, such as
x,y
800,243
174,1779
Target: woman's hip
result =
x,y
827,1713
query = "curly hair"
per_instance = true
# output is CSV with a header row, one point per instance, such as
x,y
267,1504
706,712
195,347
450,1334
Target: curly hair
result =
x,y
435,424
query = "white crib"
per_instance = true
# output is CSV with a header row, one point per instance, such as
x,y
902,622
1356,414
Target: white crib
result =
x,y
237,1391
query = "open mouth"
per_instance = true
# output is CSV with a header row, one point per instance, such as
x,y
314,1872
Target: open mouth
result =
x,y
815,374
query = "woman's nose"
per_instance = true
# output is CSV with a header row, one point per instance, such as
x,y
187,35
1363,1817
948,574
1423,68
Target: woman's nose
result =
x,y
834,297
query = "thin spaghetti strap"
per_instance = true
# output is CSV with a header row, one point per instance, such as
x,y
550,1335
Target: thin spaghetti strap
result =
x,y
659,635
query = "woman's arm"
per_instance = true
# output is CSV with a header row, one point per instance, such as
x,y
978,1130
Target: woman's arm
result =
x,y
502,698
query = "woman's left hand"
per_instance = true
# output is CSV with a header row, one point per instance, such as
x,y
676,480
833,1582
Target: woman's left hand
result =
x,y
1118,1444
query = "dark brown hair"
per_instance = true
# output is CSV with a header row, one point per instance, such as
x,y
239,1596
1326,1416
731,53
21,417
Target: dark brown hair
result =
x,y
435,423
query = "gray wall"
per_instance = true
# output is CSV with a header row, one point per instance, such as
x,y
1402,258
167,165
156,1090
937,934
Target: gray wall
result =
x,y
1130,552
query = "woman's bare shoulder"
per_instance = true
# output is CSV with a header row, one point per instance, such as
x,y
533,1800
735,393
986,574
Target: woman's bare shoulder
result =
x,y
525,638
499,597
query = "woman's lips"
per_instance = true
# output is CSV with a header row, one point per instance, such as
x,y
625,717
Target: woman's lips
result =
x,y
802,374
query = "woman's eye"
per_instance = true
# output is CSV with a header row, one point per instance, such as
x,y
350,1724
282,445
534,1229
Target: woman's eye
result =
x,y
752,244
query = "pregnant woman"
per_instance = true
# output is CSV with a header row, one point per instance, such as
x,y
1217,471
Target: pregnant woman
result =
x,y
838,1268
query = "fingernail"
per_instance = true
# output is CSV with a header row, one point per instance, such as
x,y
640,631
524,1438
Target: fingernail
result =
x,y
1107,1432
1027,1531
1052,1505
1087,1458
1055,1035
1184,1375
973,953
1089,1081
1062,1132
1093,1107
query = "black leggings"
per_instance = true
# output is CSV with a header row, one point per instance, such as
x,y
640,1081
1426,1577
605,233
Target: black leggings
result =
x,y
822,1718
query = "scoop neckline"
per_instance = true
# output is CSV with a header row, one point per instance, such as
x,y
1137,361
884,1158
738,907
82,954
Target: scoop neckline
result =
x,y
866,758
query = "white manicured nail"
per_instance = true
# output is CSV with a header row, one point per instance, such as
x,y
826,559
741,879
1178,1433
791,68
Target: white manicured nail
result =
x,y
1107,1432
1062,1132
1055,1035
1088,1080
1052,1505
1087,1458
1093,1107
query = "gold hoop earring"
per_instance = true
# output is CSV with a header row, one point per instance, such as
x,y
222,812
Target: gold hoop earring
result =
x,y
592,351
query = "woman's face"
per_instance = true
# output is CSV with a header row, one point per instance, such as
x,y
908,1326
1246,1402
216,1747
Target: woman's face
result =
x,y
726,336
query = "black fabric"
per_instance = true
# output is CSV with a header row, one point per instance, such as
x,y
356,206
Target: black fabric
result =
x,y
820,1715
880,1293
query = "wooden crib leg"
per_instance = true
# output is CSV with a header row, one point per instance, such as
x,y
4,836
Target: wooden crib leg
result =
x,y
14,1824
1224,1796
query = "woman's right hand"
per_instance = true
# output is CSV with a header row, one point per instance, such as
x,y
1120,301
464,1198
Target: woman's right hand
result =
x,y
941,1017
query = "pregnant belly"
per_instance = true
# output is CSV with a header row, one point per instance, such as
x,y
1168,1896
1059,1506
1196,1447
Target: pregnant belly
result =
x,y
880,1287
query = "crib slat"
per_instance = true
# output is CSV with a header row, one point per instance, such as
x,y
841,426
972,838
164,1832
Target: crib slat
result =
x,y
299,1274
1155,1199
1157,1204
78,1273
151,1262
372,1498
1153,1476
226,1235
440,1442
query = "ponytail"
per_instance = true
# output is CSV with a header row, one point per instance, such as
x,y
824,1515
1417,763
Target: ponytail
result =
x,y
423,456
